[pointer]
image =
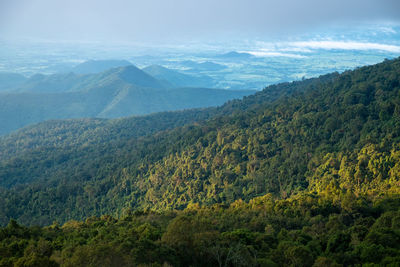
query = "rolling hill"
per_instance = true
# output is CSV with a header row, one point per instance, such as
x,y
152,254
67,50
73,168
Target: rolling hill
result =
x,y
202,66
71,82
233,55
8,81
117,92
95,66
177,79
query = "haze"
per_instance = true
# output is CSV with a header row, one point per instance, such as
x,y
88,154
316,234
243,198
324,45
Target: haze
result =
x,y
160,20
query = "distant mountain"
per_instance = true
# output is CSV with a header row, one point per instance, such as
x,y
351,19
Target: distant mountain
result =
x,y
203,66
117,92
9,81
53,83
235,55
95,66
128,74
177,79
71,82
140,101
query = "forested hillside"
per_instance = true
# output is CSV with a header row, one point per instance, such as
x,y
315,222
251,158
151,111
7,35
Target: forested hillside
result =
x,y
303,173
306,230
77,154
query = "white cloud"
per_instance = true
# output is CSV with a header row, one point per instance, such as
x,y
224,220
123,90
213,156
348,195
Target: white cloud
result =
x,y
295,49
387,30
342,45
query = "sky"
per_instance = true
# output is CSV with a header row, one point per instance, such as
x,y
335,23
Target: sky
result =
x,y
162,20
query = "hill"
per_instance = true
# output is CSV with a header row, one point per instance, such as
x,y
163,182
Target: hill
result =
x,y
303,174
233,55
177,79
258,147
117,92
9,81
55,83
203,66
71,82
95,66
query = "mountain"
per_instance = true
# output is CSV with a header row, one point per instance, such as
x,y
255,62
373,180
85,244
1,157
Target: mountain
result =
x,y
70,82
95,66
142,101
202,66
177,79
233,55
54,83
130,75
117,92
271,142
300,174
9,81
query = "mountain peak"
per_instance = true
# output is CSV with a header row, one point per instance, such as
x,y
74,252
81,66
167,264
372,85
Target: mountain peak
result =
x,y
235,55
95,66
133,75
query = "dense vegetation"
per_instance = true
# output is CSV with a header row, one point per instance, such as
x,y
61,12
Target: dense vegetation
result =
x,y
306,230
81,165
301,174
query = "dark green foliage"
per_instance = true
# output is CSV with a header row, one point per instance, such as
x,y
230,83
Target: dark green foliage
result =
x,y
300,174
243,234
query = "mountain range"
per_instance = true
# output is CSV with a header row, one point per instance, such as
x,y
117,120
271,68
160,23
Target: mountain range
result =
x,y
95,66
271,135
176,79
116,92
8,81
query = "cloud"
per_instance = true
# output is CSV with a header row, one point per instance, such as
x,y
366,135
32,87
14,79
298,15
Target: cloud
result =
x,y
139,20
388,30
295,49
346,45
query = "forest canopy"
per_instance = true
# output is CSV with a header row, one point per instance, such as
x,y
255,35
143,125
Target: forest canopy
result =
x,y
300,174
